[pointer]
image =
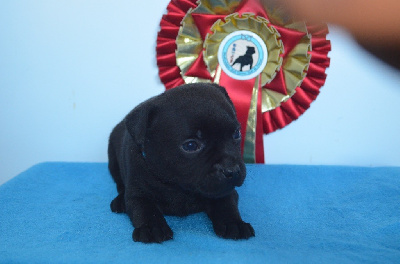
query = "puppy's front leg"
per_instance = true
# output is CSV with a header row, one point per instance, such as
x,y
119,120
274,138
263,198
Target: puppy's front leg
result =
x,y
225,216
150,225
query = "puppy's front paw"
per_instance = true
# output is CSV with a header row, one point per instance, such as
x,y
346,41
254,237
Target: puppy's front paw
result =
x,y
236,230
152,234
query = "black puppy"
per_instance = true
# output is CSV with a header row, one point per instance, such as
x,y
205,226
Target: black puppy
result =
x,y
177,154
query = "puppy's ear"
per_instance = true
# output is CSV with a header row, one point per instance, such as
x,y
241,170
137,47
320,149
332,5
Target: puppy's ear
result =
x,y
138,121
224,92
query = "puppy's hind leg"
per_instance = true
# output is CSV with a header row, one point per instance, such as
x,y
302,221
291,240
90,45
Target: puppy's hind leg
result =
x,y
118,204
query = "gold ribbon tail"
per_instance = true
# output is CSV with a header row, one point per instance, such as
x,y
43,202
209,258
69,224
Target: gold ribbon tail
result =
x,y
217,75
249,149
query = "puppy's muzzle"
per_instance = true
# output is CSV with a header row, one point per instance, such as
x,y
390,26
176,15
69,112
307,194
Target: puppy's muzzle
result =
x,y
221,180
232,172
229,173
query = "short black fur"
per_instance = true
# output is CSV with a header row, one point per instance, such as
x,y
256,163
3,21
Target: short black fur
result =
x,y
176,154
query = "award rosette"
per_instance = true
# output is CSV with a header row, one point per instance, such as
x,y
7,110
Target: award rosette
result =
x,y
271,66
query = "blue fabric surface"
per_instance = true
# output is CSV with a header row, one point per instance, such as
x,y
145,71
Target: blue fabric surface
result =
x,y
59,213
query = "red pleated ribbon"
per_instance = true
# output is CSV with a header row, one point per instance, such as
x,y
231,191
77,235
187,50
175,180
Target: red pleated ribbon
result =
x,y
269,121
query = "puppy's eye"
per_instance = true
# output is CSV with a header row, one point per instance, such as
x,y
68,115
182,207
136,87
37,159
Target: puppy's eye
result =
x,y
237,135
192,146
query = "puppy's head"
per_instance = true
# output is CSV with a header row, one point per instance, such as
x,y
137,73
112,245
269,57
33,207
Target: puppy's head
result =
x,y
189,137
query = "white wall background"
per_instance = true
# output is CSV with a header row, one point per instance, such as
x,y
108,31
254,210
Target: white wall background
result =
x,y
70,70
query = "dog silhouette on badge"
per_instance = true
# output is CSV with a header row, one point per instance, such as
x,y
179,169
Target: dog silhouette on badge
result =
x,y
246,59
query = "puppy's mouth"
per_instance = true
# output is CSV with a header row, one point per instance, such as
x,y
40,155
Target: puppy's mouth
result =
x,y
221,183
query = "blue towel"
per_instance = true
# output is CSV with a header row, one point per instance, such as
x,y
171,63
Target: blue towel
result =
x,y
59,213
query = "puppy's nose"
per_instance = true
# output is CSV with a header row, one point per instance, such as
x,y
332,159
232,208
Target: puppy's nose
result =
x,y
232,172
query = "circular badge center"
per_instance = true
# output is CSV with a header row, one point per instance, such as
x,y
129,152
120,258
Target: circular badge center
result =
x,y
242,55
